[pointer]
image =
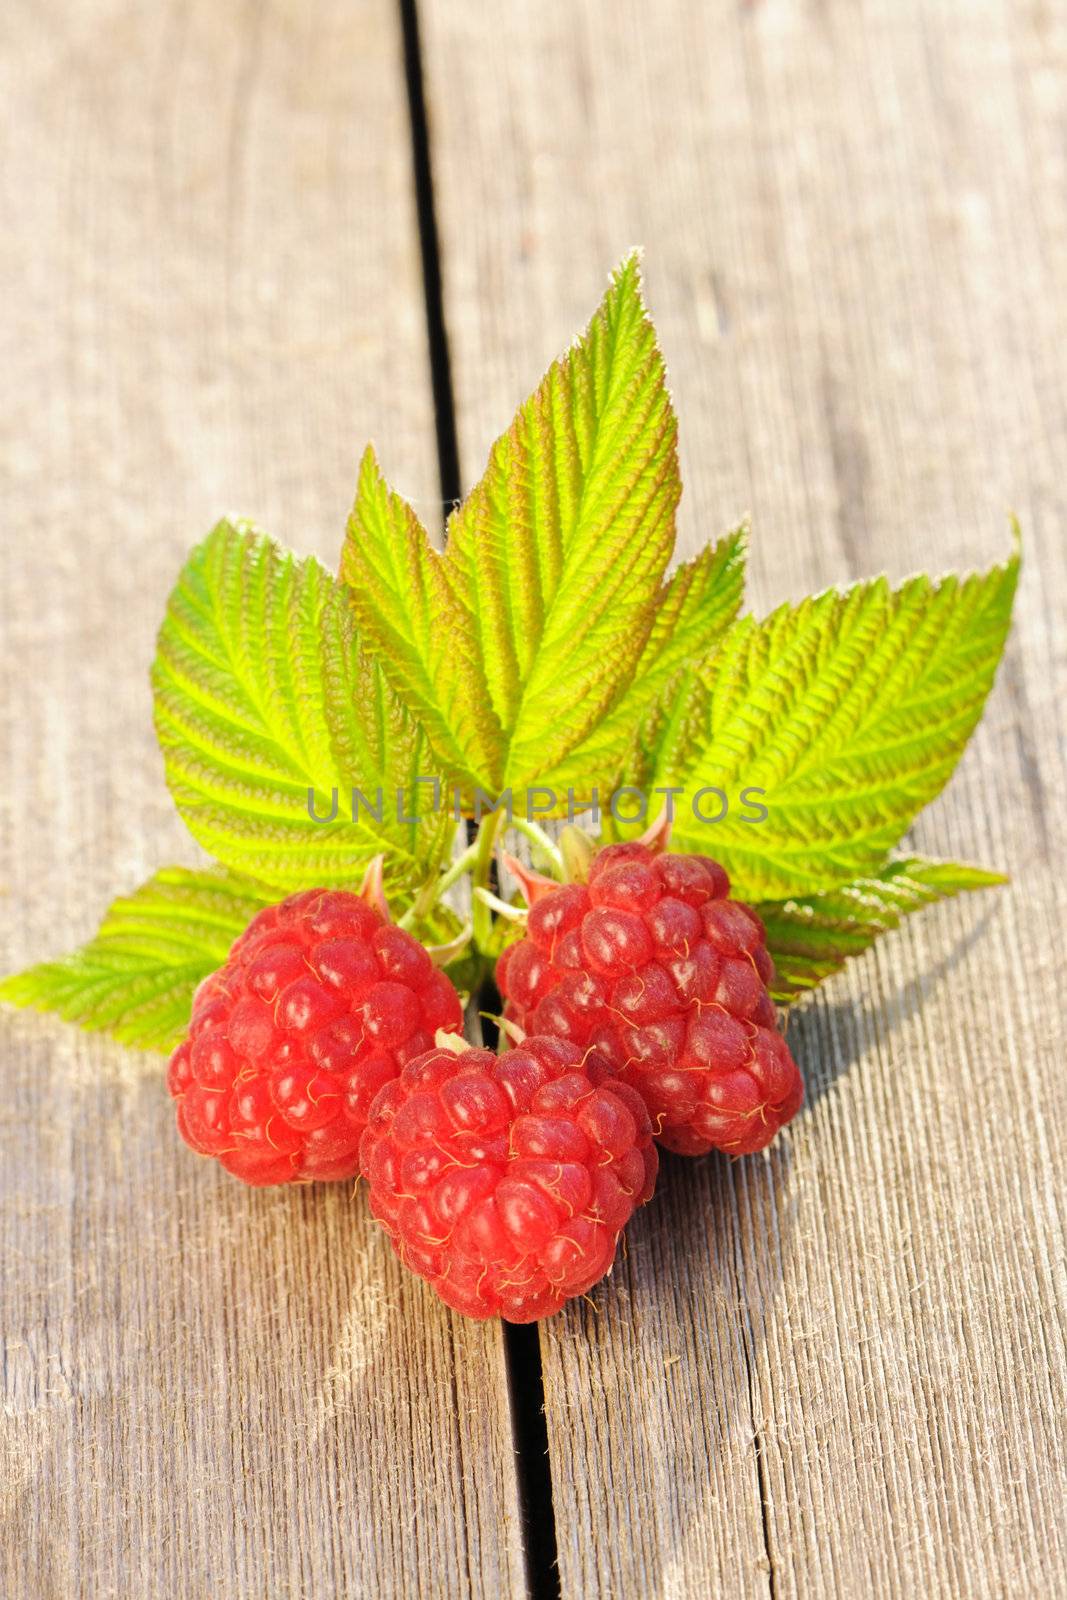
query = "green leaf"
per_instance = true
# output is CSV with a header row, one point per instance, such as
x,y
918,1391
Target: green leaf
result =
x,y
513,646
812,938
692,612
136,978
262,692
848,711
413,615
563,543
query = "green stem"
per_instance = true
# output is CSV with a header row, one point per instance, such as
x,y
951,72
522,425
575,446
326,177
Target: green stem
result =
x,y
431,892
462,864
540,838
501,907
481,915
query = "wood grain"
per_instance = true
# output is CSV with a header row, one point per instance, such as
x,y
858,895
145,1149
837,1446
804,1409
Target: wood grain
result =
x,y
212,293
837,1370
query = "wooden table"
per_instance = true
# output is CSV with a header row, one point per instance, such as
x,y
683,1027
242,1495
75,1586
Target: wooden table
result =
x,y
837,1370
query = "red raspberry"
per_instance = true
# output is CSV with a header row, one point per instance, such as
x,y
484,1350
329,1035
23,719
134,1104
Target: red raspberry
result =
x,y
505,1181
656,967
320,1003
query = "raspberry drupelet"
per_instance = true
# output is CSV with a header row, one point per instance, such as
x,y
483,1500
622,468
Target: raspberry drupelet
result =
x,y
505,1181
654,965
321,1002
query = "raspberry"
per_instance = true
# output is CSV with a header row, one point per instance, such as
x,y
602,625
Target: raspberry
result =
x,y
505,1181
653,965
320,1003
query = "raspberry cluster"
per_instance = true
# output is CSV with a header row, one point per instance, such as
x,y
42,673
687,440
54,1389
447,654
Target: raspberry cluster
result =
x,y
505,1181
653,965
323,1048
319,1004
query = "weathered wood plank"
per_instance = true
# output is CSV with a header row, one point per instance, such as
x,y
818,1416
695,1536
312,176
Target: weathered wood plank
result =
x,y
212,297
838,1370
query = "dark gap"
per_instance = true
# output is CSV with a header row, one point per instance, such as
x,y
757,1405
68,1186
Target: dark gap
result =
x,y
437,334
490,1005
526,1386
761,1473
522,1348
761,1483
